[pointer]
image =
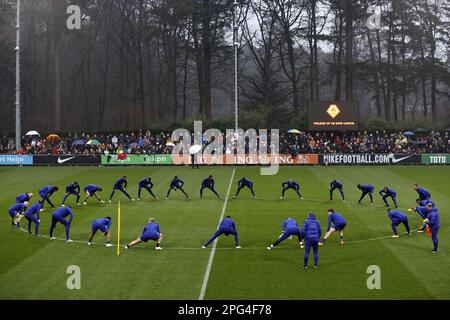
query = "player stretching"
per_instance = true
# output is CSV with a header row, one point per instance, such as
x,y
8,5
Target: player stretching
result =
x,y
176,184
91,191
423,194
388,193
208,183
104,225
336,184
147,184
290,184
121,185
288,229
423,209
339,224
16,213
60,215
226,227
244,183
32,215
397,217
150,232
74,189
366,189
46,193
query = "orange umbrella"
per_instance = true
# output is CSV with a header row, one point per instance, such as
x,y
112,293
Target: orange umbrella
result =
x,y
53,138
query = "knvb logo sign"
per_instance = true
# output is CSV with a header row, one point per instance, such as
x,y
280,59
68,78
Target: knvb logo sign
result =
x,y
333,110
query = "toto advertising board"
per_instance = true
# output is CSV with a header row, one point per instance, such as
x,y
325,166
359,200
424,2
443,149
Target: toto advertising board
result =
x,y
436,158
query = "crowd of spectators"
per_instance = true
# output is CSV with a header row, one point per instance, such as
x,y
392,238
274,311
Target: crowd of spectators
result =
x,y
299,143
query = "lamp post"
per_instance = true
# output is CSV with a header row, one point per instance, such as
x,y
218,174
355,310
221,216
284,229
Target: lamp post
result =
x,y
236,48
18,133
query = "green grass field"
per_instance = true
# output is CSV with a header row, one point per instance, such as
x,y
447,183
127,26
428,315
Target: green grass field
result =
x,y
35,268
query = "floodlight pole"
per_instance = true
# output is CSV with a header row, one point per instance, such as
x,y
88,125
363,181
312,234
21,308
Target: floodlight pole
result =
x,y
18,133
236,48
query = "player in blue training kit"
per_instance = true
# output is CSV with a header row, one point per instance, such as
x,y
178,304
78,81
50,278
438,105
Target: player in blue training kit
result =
x,y
226,227
24,197
147,184
288,229
290,184
32,215
423,194
388,193
397,217
16,213
311,232
366,189
432,221
336,222
104,225
425,202
121,185
72,189
336,184
244,183
423,209
60,215
91,191
150,232
46,193
176,184
208,183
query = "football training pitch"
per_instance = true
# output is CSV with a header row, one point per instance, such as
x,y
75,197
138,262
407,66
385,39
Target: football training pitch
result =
x,y
35,267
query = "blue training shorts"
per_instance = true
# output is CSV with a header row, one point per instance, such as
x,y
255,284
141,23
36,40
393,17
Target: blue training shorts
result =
x,y
149,236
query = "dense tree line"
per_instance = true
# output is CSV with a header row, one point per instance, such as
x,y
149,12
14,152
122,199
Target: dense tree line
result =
x,y
147,63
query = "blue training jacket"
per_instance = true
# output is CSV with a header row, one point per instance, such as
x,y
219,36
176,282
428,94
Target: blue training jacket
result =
x,y
291,184
47,190
433,219
397,215
336,219
227,224
33,210
244,182
423,193
17,208
289,224
63,213
22,198
367,188
72,188
102,222
121,183
91,188
336,184
389,192
145,183
311,230
151,228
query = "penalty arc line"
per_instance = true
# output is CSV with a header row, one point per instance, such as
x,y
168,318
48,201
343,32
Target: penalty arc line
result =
x,y
213,251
